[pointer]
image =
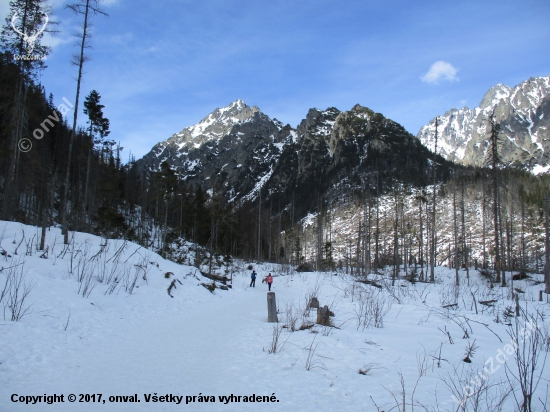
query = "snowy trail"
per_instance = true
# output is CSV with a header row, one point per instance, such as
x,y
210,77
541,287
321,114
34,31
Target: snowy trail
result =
x,y
187,351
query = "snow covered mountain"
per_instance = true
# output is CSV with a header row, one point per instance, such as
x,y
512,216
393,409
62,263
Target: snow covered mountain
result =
x,y
230,152
214,126
524,115
237,150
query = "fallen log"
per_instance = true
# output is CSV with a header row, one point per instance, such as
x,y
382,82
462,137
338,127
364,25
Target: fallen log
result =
x,y
370,282
488,302
450,306
218,278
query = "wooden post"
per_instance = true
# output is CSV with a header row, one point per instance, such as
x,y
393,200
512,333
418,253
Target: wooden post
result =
x,y
271,307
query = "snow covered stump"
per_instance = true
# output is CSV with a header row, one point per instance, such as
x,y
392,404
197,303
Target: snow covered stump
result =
x,y
271,307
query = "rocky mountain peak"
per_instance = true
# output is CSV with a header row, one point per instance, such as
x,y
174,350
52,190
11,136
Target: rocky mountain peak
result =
x,y
524,115
495,95
318,123
214,126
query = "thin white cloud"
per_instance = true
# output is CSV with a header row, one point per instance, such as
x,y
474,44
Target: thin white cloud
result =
x,y
54,41
440,70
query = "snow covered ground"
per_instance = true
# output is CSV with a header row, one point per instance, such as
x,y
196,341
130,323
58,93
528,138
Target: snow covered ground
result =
x,y
146,346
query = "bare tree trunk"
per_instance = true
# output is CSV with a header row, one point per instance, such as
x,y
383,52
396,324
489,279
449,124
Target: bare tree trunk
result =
x,y
434,246
259,224
510,239
496,235
455,227
483,227
81,60
547,247
395,242
367,233
358,251
503,263
376,243
496,200
522,262
319,234
80,63
403,236
85,204
278,250
270,237
421,240
465,251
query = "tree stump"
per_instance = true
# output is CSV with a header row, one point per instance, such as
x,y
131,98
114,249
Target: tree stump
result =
x,y
323,316
271,307
314,303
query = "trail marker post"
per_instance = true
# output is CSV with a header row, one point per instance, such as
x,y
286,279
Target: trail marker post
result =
x,y
271,307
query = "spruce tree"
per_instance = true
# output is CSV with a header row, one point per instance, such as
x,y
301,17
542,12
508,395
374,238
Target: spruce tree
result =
x,y
98,125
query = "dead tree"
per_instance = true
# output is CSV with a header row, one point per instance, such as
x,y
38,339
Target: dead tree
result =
x,y
547,248
495,161
85,8
434,246
455,230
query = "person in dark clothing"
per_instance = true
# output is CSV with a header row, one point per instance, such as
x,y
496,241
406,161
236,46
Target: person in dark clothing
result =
x,y
253,279
269,281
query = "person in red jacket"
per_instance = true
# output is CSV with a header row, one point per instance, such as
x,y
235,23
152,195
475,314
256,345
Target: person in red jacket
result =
x,y
269,280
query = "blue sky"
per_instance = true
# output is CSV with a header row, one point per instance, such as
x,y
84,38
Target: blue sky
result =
x,y
161,66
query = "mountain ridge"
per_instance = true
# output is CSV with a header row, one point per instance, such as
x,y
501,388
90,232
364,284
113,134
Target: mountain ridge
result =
x,y
331,152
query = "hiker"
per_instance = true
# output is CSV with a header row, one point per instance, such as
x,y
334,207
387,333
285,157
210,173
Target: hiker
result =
x,y
269,281
253,281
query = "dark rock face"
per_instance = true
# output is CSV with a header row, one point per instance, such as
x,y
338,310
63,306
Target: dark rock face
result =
x,y
524,115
